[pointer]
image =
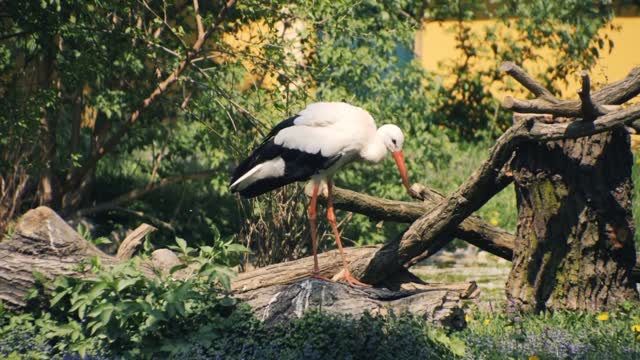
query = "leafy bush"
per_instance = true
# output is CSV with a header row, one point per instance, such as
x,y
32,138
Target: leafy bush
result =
x,y
324,336
230,331
124,311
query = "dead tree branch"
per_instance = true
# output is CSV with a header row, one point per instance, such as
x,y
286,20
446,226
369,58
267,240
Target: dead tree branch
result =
x,y
590,110
613,94
528,82
133,241
473,230
440,223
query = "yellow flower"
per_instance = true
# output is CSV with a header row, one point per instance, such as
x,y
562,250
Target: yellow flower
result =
x,y
533,357
467,317
603,317
493,221
486,322
635,328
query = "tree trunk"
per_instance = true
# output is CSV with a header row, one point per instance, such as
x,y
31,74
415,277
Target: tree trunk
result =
x,y
574,244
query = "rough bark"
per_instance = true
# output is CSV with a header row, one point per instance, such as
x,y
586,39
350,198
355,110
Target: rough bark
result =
x,y
133,241
284,302
574,244
42,242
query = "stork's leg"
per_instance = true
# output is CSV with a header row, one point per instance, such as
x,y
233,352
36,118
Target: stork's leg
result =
x,y
312,220
331,216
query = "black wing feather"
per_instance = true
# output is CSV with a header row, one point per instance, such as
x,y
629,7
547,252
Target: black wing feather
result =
x,y
299,165
266,151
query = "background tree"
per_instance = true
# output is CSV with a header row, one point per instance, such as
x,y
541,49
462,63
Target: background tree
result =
x,y
118,112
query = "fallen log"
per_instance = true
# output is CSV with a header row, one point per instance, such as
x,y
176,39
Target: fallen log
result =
x,y
43,242
288,301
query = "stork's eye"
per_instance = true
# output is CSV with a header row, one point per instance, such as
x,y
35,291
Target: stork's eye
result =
x,y
393,141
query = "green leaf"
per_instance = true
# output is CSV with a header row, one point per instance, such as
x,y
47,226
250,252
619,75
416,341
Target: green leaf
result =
x,y
39,277
105,316
122,284
93,326
59,296
238,248
182,244
102,241
228,301
96,291
177,268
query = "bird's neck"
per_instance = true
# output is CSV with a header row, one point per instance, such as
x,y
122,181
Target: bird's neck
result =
x,y
375,151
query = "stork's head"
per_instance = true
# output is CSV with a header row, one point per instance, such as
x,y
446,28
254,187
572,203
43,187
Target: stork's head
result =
x,y
393,138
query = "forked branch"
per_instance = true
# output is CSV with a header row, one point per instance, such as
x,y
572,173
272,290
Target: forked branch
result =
x,y
473,230
590,105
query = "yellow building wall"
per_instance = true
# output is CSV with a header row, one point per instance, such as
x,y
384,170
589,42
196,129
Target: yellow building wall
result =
x,y
435,44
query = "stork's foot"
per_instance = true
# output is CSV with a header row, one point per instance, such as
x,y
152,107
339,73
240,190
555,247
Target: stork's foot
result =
x,y
346,276
316,275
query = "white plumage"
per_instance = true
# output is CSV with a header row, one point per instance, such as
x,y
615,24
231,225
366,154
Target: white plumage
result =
x,y
314,144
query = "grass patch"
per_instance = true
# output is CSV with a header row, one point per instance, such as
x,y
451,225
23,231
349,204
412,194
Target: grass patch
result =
x,y
559,335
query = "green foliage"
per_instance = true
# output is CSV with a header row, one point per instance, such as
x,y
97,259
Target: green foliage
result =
x,y
235,333
324,336
123,311
86,234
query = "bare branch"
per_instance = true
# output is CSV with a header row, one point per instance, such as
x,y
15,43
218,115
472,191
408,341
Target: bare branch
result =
x,y
527,81
620,91
164,23
540,131
540,106
196,9
613,94
133,241
473,230
590,110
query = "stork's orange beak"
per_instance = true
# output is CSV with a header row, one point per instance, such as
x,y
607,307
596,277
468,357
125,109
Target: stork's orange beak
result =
x,y
399,157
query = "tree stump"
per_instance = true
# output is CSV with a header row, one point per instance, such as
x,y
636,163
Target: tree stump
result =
x,y
574,244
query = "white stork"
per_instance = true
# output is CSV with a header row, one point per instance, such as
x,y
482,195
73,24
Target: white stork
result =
x,y
314,144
